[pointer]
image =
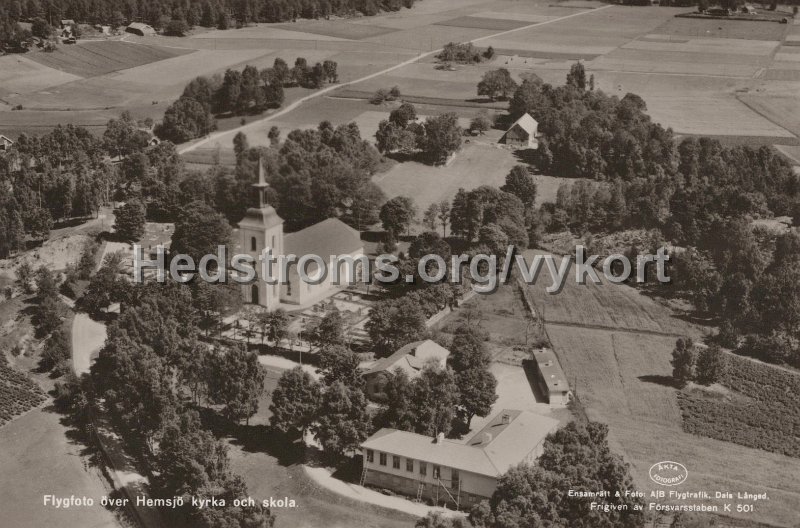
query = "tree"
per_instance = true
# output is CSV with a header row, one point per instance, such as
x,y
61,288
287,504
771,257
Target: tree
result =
x,y
710,365
430,217
236,380
328,332
40,28
477,389
185,119
56,351
240,145
129,221
394,323
330,67
397,393
274,135
398,213
295,401
442,136
199,231
25,276
521,184
39,224
575,456
434,399
682,361
339,364
343,422
176,28
497,82
46,283
403,115
481,122
277,323
577,76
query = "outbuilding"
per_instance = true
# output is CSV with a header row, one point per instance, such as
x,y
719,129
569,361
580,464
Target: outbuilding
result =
x,y
141,29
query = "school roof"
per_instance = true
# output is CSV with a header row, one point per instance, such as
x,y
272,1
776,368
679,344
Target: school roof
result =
x,y
329,237
411,358
492,451
553,376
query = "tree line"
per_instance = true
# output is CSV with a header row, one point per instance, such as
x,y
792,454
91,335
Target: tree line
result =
x,y
249,91
221,14
152,375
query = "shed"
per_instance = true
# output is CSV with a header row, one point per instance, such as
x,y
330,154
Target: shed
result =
x,y
141,29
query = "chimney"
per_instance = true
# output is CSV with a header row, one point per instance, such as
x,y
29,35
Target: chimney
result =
x,y
440,438
506,418
487,438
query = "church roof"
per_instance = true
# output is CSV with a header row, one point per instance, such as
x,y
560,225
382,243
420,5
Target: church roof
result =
x,y
329,237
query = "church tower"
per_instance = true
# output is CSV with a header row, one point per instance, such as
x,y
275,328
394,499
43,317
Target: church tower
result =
x,y
261,228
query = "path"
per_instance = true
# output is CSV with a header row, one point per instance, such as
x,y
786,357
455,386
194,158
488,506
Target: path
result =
x,y
88,337
324,478
319,93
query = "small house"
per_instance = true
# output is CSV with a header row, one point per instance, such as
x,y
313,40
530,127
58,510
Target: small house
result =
x,y
5,143
141,29
67,23
411,359
522,133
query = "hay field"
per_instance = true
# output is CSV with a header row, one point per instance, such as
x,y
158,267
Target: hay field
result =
x,y
620,379
21,75
90,59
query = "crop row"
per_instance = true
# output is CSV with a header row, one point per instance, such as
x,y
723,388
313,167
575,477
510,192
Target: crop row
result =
x,y
763,415
18,393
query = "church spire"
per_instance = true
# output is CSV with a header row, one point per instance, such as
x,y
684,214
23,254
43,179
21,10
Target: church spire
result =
x,y
262,185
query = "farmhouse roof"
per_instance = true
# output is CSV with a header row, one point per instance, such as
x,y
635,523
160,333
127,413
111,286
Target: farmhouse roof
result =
x,y
326,238
67,22
506,440
554,377
526,122
411,358
4,138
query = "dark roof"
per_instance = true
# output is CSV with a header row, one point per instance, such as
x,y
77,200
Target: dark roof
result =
x,y
261,218
329,237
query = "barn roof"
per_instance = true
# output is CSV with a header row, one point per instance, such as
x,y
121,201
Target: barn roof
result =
x,y
528,123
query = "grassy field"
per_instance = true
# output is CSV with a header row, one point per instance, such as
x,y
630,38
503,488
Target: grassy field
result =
x,y
614,346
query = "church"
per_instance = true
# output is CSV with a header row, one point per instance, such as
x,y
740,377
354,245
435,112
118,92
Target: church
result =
x,y
262,228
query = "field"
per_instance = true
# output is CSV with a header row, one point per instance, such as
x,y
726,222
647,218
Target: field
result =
x,y
475,165
758,411
90,59
614,345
